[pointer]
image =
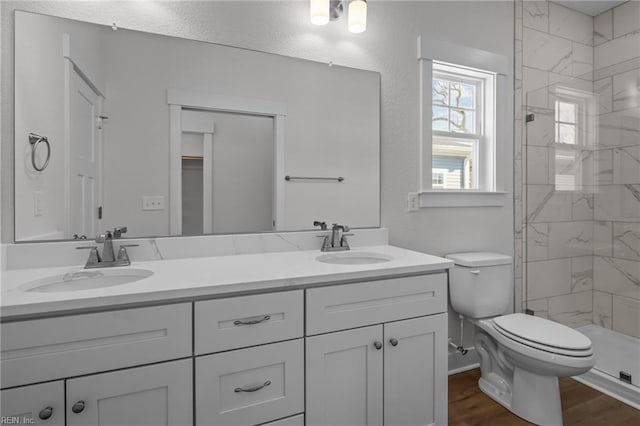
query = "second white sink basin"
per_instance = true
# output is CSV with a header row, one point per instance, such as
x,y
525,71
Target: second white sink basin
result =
x,y
86,280
354,258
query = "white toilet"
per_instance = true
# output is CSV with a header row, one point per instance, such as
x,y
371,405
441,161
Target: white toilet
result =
x,y
521,356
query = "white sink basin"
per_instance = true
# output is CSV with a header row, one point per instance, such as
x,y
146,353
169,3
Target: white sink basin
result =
x,y
354,258
86,280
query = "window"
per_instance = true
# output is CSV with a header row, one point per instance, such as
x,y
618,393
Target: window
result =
x,y
570,123
462,145
463,129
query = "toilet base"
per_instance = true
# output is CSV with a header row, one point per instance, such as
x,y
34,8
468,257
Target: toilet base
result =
x,y
534,398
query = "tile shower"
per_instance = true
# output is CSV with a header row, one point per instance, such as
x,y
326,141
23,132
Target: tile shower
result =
x,y
577,167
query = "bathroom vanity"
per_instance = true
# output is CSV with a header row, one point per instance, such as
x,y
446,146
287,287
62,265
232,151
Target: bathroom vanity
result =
x,y
206,341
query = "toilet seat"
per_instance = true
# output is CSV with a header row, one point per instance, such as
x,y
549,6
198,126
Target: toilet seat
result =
x,y
543,334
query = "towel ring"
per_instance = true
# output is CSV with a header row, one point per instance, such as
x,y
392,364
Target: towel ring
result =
x,y
35,140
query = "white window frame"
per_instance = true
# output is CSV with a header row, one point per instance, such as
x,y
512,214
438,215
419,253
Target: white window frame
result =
x,y
492,177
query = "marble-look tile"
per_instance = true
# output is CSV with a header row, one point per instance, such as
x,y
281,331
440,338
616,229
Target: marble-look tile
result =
x,y
616,276
626,18
545,204
537,165
626,316
614,51
581,205
604,91
570,24
620,128
539,307
546,52
518,295
582,60
626,90
619,68
534,84
617,203
548,278
626,165
535,14
581,274
602,309
602,238
626,240
537,241
573,310
570,239
540,131
603,27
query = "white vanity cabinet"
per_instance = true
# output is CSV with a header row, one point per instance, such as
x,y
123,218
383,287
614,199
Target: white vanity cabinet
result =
x,y
159,394
363,353
393,373
41,404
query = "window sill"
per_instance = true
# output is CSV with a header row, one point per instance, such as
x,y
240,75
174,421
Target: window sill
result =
x,y
437,198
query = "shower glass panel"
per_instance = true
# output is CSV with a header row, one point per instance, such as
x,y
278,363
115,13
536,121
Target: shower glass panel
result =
x,y
582,223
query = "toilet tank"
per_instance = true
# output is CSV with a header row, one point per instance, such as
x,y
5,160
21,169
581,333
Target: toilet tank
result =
x,y
480,285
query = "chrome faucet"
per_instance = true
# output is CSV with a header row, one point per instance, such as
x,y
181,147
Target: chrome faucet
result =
x,y
337,241
108,257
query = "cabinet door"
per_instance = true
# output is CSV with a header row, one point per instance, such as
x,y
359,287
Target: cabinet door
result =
x,y
344,378
38,404
154,395
415,371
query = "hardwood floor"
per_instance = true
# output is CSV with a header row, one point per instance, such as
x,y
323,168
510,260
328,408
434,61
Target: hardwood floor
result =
x,y
581,405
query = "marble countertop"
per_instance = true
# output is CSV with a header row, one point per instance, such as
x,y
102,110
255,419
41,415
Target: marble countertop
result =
x,y
182,279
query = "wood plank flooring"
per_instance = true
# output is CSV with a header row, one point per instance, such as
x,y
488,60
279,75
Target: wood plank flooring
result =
x,y
581,405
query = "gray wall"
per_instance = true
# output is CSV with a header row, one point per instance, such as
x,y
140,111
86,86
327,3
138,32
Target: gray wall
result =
x,y
388,46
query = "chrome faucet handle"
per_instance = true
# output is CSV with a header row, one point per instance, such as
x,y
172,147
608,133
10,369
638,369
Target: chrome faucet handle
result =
x,y
123,256
322,225
118,231
94,256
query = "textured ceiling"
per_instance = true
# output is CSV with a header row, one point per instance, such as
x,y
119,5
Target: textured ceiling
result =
x,y
590,7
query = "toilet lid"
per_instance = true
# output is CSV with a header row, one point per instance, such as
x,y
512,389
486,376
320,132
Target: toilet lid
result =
x,y
543,332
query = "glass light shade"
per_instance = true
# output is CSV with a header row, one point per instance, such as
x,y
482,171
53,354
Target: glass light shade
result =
x,y
357,16
319,12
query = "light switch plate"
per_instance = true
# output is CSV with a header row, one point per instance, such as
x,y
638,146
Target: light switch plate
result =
x,y
153,202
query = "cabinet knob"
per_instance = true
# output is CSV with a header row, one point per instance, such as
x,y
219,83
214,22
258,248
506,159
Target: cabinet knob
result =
x,y
377,345
45,413
393,341
78,407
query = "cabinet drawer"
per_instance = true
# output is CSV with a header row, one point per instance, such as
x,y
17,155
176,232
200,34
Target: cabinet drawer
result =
x,y
250,386
38,404
356,305
238,322
289,421
53,348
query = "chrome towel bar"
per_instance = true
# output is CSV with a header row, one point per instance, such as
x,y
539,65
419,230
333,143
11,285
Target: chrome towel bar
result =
x,y
290,178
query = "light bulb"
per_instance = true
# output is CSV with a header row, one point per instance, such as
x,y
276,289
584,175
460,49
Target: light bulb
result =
x,y
357,16
319,12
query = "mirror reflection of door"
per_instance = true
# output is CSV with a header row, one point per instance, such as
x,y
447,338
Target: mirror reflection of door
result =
x,y
218,195
85,157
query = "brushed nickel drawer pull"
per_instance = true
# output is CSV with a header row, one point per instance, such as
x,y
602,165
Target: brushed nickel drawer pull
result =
x,y
251,322
254,388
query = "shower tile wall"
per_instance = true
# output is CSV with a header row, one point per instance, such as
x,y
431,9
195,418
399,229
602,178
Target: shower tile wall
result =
x,y
554,229
578,252
617,201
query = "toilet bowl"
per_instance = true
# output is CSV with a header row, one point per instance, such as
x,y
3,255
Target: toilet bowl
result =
x,y
521,356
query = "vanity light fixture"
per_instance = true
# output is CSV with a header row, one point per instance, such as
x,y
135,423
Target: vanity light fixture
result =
x,y
323,11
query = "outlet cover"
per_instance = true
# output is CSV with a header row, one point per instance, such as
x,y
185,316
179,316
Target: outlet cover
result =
x,y
413,203
153,202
